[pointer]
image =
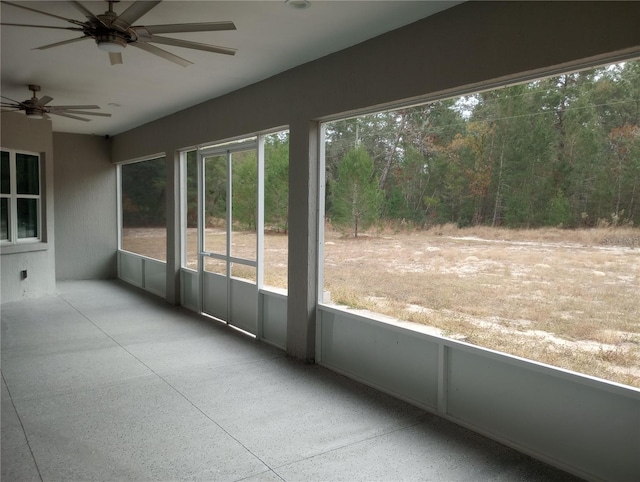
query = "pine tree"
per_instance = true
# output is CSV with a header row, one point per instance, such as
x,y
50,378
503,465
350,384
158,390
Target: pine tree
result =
x,y
356,195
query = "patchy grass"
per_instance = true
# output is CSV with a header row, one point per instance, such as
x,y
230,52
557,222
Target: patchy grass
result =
x,y
568,298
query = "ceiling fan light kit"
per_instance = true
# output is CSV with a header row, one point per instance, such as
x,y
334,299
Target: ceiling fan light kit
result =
x,y
34,114
111,43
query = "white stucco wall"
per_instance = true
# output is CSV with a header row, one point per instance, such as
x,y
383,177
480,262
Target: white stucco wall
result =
x,y
19,132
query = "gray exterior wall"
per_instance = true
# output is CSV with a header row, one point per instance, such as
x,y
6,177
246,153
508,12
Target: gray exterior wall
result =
x,y
85,208
19,132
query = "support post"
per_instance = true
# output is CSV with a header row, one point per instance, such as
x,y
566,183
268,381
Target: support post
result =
x,y
303,240
174,245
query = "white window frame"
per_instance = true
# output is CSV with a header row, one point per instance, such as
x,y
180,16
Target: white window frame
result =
x,y
13,197
119,204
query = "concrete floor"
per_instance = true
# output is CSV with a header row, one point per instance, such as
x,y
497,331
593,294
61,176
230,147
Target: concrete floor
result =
x,y
105,382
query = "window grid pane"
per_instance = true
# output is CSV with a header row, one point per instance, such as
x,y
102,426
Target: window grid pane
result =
x,y
5,174
215,204
215,265
27,174
27,218
244,204
5,230
191,210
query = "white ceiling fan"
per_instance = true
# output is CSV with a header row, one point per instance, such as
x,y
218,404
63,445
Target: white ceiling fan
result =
x,y
113,32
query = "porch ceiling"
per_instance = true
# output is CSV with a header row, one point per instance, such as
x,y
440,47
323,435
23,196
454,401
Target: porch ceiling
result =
x,y
271,37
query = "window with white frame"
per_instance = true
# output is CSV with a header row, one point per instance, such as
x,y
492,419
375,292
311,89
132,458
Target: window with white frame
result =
x,y
506,218
143,204
20,197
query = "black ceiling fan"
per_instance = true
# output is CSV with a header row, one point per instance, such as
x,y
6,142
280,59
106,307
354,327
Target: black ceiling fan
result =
x,y
113,32
38,108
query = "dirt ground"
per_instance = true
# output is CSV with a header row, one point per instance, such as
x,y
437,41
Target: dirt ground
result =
x,y
572,303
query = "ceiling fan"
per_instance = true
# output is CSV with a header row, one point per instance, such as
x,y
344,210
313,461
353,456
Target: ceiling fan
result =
x,y
38,108
113,32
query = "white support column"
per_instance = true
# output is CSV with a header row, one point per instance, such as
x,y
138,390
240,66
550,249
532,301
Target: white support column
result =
x,y
260,214
173,226
303,240
260,239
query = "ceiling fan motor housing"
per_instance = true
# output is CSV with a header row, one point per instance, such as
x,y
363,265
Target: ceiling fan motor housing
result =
x,y
108,37
34,112
32,109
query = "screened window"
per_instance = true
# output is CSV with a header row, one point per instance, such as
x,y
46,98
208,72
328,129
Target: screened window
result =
x,y
143,204
276,209
20,197
190,209
507,219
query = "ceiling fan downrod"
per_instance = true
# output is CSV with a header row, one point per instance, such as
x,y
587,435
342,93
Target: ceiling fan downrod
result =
x,y
31,107
34,88
111,2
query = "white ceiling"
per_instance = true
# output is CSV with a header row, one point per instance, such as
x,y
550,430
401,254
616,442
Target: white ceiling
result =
x,y
271,37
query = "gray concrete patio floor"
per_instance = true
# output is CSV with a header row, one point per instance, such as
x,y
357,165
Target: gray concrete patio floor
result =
x,y
106,382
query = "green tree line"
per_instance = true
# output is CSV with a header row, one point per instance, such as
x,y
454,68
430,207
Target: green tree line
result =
x,y
561,151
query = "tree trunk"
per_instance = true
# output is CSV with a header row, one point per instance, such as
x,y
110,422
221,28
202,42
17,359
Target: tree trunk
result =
x,y
499,186
392,151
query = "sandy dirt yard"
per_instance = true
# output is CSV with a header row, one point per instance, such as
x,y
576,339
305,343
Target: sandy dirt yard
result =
x,y
568,300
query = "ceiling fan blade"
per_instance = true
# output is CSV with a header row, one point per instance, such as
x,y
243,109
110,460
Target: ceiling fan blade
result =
x,y
66,107
115,58
62,114
191,45
152,49
133,13
86,12
14,101
68,111
77,29
188,27
4,109
64,42
44,100
75,22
